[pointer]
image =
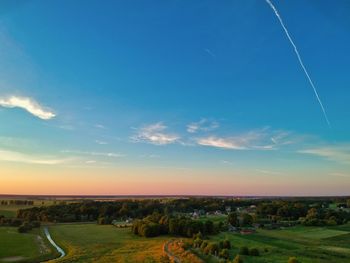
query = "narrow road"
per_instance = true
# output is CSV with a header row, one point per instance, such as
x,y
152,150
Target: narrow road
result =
x,y
48,236
166,250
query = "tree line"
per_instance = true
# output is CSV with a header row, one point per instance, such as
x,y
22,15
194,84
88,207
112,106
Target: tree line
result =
x,y
160,224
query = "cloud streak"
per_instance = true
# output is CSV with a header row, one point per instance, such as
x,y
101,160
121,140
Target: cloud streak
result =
x,y
11,156
251,140
224,143
202,125
103,154
29,105
332,153
299,59
155,134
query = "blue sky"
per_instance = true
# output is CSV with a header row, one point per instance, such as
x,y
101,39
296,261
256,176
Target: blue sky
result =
x,y
186,91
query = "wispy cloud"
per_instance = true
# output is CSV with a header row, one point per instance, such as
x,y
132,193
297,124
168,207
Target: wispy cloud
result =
x,y
225,143
100,126
11,156
29,105
202,125
104,154
210,53
299,58
150,156
251,140
339,154
101,142
268,172
226,162
155,134
90,161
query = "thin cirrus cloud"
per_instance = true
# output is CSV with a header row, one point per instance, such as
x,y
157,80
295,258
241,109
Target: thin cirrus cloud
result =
x,y
103,154
263,139
269,172
100,142
338,154
155,134
202,125
28,104
11,156
225,143
251,140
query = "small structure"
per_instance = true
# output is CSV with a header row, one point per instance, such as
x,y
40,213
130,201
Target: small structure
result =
x,y
247,231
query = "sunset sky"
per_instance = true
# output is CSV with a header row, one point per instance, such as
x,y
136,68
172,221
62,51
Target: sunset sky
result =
x,y
174,97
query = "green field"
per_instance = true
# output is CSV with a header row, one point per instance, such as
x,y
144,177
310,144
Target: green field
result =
x,y
308,244
29,247
96,243
214,218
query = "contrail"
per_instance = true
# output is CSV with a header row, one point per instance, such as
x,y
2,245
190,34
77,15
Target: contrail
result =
x,y
299,58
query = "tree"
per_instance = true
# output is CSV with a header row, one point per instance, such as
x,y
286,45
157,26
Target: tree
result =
x,y
247,220
238,259
312,213
232,219
209,227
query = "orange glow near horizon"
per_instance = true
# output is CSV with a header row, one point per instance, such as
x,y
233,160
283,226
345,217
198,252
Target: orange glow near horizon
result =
x,y
125,181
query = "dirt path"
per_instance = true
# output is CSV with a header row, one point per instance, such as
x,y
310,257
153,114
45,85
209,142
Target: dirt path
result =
x,y
166,250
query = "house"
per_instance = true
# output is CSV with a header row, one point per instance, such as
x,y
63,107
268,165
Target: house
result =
x,y
232,228
247,231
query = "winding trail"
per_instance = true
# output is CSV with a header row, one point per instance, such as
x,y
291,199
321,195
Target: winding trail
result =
x,y
48,236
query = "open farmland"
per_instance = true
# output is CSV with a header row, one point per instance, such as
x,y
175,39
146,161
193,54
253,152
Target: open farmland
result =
x,y
308,244
29,247
95,243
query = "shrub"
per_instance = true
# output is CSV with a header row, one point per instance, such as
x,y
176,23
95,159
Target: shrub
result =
x,y
25,227
238,259
35,224
293,260
224,253
197,242
254,252
227,244
164,259
213,248
244,251
204,245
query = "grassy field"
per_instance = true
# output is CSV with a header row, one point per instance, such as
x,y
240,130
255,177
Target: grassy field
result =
x,y
214,218
29,247
96,243
308,244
